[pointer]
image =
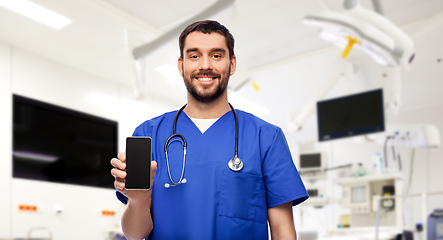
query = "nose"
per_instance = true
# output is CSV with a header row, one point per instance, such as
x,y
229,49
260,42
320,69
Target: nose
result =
x,y
205,63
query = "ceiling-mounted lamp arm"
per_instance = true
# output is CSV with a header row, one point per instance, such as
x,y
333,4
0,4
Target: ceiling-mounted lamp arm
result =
x,y
296,120
394,90
404,46
142,51
377,6
348,4
140,78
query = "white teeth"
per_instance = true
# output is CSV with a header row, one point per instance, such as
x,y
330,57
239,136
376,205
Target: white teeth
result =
x,y
204,79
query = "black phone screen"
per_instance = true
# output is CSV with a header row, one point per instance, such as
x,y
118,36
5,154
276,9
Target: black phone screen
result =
x,y
138,163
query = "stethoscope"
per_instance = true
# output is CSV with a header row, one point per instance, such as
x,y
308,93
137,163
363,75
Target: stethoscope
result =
x,y
235,164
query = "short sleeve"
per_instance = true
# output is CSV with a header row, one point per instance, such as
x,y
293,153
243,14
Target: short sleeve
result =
x,y
121,197
282,180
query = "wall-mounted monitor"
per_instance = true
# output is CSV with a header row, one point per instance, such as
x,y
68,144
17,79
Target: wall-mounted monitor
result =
x,y
56,144
309,162
351,115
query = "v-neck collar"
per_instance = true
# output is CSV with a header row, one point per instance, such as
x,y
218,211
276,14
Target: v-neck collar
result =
x,y
209,129
203,124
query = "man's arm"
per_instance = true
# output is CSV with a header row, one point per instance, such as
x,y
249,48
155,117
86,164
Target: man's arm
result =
x,y
136,219
281,222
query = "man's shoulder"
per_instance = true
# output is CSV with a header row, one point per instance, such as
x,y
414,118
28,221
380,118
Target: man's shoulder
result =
x,y
148,125
158,119
251,119
253,124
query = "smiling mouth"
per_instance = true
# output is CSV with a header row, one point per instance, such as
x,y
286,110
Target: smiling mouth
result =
x,y
205,79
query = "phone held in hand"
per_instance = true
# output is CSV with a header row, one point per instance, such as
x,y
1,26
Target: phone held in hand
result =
x,y
138,163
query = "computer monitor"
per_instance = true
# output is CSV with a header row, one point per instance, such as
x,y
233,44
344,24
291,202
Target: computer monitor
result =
x,y
56,144
311,162
351,115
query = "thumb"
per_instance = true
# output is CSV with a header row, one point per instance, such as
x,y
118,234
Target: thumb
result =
x,y
153,170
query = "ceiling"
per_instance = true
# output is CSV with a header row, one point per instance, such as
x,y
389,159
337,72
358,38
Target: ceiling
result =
x,y
274,49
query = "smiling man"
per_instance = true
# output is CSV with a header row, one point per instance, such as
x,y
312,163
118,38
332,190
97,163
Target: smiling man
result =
x,y
237,174
207,67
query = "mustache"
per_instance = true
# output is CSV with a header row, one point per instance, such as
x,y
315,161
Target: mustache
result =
x,y
205,73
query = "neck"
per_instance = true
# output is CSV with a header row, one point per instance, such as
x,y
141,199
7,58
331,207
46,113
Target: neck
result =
x,y
207,110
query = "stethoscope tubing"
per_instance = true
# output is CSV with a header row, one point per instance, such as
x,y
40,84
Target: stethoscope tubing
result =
x,y
236,130
175,135
183,165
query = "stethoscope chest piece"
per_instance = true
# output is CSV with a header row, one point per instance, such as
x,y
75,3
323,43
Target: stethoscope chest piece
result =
x,y
235,164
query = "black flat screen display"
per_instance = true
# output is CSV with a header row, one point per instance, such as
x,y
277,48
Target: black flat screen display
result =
x,y
351,115
312,160
56,144
138,163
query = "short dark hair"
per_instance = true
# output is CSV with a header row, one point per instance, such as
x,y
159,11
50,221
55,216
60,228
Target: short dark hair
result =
x,y
207,26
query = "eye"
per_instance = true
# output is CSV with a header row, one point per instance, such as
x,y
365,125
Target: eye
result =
x,y
193,56
216,56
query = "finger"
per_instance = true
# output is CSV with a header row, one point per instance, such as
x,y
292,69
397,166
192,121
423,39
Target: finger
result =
x,y
122,156
118,173
115,162
119,185
153,167
153,170
118,164
120,180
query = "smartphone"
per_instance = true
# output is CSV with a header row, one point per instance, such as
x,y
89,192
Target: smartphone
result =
x,y
138,163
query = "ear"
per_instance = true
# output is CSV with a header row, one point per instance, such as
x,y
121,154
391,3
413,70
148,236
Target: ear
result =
x,y
180,65
233,65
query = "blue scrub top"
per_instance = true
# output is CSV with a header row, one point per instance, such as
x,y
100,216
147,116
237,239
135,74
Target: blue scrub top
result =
x,y
216,202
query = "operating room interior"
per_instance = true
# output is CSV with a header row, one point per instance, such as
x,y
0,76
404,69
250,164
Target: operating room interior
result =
x,y
116,61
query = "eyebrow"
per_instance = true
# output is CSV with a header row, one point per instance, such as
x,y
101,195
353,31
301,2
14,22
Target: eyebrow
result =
x,y
212,50
219,50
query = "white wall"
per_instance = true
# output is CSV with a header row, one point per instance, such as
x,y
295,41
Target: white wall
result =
x,y
32,76
5,139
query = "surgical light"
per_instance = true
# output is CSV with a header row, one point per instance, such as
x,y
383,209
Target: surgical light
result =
x,y
376,35
344,31
36,13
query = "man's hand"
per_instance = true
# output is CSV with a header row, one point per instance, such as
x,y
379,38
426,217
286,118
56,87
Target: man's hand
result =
x,y
136,219
119,174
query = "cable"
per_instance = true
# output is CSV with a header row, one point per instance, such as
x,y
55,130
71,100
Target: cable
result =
x,y
406,190
328,169
338,167
320,220
399,162
428,176
411,168
393,151
398,156
384,152
411,186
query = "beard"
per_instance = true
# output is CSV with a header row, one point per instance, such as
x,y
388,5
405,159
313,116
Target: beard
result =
x,y
205,95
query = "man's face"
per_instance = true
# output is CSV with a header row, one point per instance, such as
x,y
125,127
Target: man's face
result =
x,y
206,66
